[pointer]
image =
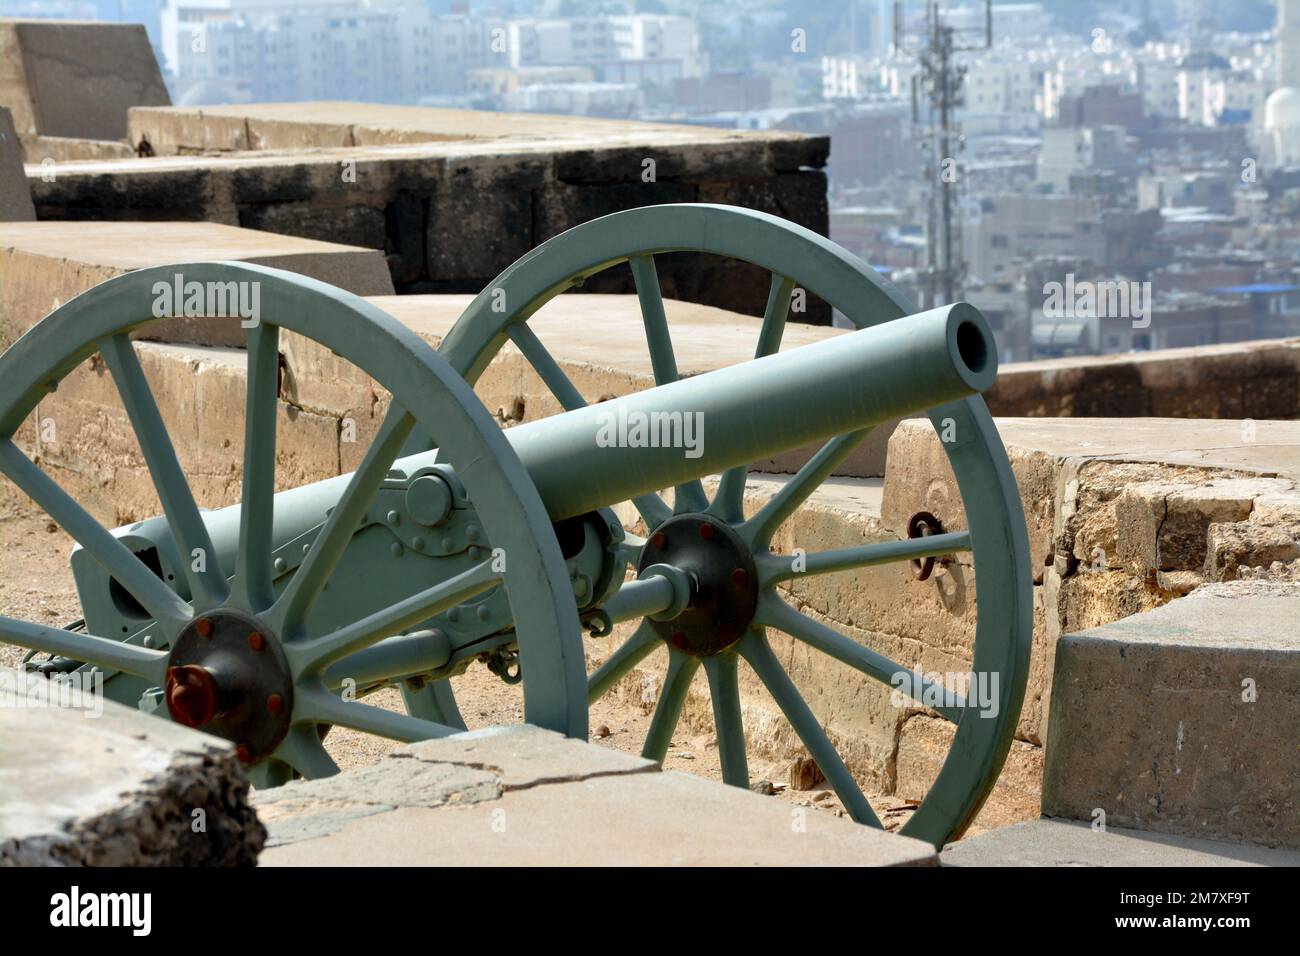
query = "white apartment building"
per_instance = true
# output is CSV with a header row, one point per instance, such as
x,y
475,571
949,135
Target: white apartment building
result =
x,y
381,53
665,46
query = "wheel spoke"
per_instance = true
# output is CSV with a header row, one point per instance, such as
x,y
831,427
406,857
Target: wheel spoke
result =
x,y
208,586
729,500
774,316
295,603
317,705
631,652
672,697
302,750
545,366
773,568
253,566
662,358
653,510
314,654
755,649
690,495
759,529
774,612
107,653
724,691
117,559
434,701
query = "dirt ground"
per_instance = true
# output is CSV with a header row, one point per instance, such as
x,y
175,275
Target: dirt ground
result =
x,y
36,585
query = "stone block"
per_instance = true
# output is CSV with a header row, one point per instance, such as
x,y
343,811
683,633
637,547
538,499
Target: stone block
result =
x,y
1181,720
46,263
77,79
87,782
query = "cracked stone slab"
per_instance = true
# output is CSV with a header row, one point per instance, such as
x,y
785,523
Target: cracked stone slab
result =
x,y
86,781
524,756
1071,843
306,809
624,819
1183,720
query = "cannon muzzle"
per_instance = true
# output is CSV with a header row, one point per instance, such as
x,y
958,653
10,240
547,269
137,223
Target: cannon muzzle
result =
x,y
600,455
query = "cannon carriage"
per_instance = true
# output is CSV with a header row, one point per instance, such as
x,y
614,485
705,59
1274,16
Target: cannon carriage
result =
x,y
454,541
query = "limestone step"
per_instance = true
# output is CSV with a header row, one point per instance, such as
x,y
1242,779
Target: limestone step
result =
x,y
1050,842
521,796
1183,720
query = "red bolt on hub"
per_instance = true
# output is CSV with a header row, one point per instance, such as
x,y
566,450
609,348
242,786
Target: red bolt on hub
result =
x,y
244,753
740,578
256,641
275,704
706,531
204,627
659,539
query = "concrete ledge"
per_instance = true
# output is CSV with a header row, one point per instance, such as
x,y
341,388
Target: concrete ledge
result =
x,y
87,782
1067,843
1183,720
521,796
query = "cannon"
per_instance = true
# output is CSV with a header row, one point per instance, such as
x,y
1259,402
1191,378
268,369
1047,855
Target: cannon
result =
x,y
456,541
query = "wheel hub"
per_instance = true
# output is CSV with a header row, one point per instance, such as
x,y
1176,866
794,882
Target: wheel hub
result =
x,y
228,677
724,595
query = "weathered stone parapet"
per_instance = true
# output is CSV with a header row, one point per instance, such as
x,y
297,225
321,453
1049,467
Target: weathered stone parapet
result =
x,y
88,782
451,196
1244,380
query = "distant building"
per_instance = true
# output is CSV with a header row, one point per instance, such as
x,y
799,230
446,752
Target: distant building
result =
x,y
577,99
1069,150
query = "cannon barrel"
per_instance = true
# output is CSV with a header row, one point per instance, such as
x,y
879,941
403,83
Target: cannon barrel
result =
x,y
600,455
748,412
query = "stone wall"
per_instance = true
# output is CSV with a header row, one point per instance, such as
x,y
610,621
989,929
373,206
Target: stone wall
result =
x,y
1243,380
455,207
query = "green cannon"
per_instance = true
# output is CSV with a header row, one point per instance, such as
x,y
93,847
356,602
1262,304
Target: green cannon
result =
x,y
454,541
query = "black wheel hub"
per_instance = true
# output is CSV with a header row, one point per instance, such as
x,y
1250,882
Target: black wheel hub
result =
x,y
228,677
724,595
